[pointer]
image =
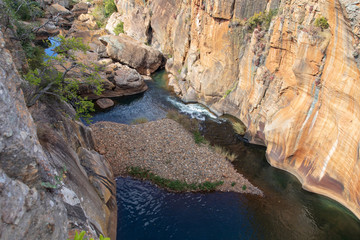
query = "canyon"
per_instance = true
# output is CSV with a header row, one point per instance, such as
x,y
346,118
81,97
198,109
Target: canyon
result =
x,y
295,86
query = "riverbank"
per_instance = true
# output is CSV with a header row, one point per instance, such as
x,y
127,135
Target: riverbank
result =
x,y
166,149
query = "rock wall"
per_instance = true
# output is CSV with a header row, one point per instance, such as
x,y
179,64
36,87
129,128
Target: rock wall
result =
x,y
34,152
295,86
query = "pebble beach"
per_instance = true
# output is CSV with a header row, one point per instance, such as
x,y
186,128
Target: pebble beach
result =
x,y
168,150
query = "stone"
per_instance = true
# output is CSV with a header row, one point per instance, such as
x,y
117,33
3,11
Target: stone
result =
x,y
105,103
80,8
128,51
49,29
56,9
126,77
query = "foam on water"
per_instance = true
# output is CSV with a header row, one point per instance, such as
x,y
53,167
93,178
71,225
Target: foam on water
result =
x,y
194,110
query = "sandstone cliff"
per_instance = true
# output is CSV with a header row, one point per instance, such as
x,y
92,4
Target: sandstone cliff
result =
x,y
33,154
295,86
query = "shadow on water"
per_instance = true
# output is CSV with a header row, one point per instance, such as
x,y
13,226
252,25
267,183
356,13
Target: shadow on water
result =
x,y
286,212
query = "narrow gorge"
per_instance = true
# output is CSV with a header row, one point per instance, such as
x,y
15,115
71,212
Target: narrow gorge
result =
x,y
295,86
289,70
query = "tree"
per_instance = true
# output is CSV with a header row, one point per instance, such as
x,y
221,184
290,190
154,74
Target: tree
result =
x,y
62,75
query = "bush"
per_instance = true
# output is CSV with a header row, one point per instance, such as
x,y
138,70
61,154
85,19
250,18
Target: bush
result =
x,y
322,23
239,128
24,9
82,234
230,156
261,19
119,28
174,185
110,7
99,15
198,138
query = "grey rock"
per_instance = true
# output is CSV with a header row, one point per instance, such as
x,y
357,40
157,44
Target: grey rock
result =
x,y
105,103
128,51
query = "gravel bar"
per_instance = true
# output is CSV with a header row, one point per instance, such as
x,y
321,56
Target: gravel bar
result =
x,y
165,148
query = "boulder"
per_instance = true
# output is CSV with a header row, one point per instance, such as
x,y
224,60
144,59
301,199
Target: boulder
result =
x,y
125,81
128,51
105,103
49,29
80,8
126,77
56,9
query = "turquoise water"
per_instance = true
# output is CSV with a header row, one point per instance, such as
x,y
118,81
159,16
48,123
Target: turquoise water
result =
x,y
286,211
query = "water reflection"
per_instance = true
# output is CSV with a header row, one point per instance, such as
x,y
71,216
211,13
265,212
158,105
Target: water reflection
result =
x,y
286,212
147,212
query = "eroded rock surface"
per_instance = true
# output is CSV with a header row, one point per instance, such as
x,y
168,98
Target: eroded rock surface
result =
x,y
33,154
128,51
295,86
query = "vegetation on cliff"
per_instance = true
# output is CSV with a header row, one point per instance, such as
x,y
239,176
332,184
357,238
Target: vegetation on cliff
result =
x,y
13,14
261,19
322,23
102,11
60,75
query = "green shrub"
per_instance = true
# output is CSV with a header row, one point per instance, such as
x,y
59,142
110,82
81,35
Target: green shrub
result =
x,y
322,23
99,15
119,28
233,184
82,234
175,185
198,138
244,187
261,19
23,9
110,7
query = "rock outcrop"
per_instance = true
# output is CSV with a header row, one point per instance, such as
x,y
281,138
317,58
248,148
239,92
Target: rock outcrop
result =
x,y
294,85
128,51
52,182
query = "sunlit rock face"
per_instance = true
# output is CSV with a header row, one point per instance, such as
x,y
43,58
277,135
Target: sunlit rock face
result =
x,y
295,86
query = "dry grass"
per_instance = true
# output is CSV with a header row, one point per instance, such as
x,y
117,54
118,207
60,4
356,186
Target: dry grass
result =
x,y
189,124
139,121
220,150
239,128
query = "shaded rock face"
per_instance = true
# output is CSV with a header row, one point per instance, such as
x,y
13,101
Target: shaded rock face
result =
x,y
34,151
294,86
128,51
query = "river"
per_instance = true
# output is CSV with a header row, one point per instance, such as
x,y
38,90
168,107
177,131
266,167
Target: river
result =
x,y
286,212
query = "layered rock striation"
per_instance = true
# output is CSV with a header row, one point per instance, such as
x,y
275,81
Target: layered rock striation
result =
x,y
293,84
52,182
